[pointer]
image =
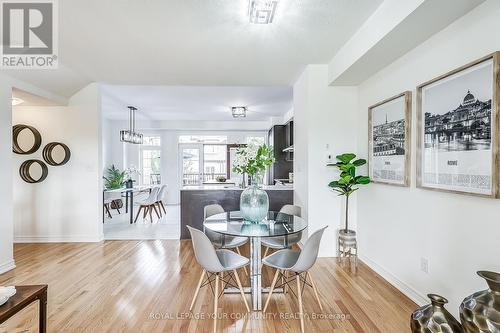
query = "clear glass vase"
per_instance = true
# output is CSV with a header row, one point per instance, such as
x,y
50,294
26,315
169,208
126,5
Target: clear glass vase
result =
x,y
254,201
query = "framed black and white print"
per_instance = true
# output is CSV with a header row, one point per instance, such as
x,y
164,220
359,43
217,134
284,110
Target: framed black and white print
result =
x,y
458,124
389,126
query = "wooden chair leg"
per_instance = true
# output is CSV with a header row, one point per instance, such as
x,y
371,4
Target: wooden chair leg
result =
x,y
197,290
244,268
222,282
159,209
265,252
150,214
138,212
301,311
106,206
156,211
146,209
315,291
285,285
241,289
118,209
271,290
216,299
163,206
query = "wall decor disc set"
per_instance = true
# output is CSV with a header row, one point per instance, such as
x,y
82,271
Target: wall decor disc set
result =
x,y
47,154
458,124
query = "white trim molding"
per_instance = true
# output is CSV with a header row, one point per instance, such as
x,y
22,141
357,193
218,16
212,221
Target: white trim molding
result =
x,y
406,289
9,265
59,239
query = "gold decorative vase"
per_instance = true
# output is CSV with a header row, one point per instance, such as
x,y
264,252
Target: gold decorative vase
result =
x,y
480,312
434,318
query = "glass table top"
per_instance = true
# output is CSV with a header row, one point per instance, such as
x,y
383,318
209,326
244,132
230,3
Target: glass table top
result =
x,y
275,224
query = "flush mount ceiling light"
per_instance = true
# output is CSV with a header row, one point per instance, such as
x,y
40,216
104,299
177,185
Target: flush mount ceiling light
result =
x,y
16,101
239,111
262,11
130,135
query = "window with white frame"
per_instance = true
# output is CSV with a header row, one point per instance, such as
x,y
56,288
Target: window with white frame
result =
x,y
151,160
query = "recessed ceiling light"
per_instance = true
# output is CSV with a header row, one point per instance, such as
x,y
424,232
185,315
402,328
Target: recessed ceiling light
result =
x,y
16,101
239,111
262,11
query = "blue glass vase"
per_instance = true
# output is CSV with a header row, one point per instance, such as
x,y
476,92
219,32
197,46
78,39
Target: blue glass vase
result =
x,y
254,201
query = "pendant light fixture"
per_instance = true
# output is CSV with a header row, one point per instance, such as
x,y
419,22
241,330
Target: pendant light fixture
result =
x,y
130,135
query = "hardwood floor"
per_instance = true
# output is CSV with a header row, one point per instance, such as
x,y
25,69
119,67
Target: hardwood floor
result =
x,y
147,286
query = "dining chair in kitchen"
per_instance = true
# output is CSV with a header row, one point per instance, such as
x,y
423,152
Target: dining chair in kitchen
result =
x,y
298,263
159,199
281,242
220,264
222,241
149,205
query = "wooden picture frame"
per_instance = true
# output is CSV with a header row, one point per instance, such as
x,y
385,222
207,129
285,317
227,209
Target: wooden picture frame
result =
x,y
393,176
472,124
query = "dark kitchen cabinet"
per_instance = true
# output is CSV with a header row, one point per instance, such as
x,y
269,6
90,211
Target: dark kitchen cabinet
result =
x,y
279,138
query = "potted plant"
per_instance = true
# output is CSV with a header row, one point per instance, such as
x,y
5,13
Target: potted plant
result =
x,y
114,179
254,160
347,184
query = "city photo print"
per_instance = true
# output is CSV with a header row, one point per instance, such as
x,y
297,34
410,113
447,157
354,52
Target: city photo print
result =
x,y
389,125
457,141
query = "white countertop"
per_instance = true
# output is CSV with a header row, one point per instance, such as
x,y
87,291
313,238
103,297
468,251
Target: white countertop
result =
x,y
230,187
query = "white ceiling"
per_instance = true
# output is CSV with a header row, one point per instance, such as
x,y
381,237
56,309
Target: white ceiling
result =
x,y
195,103
194,42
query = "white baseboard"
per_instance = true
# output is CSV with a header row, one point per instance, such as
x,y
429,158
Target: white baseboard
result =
x,y
5,267
406,289
59,239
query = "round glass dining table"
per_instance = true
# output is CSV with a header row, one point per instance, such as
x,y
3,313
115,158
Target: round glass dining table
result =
x,y
276,224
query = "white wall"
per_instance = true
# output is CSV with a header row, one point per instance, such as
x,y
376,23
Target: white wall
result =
x,y
6,225
67,206
6,196
323,125
458,234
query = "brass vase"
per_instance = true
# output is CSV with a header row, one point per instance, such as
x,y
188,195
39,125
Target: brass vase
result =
x,y
434,318
480,312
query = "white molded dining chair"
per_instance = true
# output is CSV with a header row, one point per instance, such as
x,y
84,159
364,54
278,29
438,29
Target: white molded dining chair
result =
x,y
222,241
298,263
159,199
279,243
149,204
215,263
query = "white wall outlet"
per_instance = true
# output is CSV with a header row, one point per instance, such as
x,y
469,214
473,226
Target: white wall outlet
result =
x,y
424,265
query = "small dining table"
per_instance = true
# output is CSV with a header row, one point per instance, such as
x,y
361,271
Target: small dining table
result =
x,y
275,224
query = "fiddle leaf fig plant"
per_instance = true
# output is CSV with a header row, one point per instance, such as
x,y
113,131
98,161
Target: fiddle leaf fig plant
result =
x,y
348,180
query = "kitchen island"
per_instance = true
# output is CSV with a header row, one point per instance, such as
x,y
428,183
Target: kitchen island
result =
x,y
195,198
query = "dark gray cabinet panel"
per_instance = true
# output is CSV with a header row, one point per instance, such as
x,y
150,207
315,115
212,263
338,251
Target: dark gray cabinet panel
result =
x,y
193,202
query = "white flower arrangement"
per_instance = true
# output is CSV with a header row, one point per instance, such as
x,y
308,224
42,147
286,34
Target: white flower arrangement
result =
x,y
253,159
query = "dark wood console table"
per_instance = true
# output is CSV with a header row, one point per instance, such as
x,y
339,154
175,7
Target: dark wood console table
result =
x,y
24,296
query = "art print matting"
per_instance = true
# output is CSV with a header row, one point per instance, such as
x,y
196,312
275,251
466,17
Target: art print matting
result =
x,y
389,127
458,124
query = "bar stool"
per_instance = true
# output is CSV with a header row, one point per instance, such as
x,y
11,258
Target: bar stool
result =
x,y
298,263
215,263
